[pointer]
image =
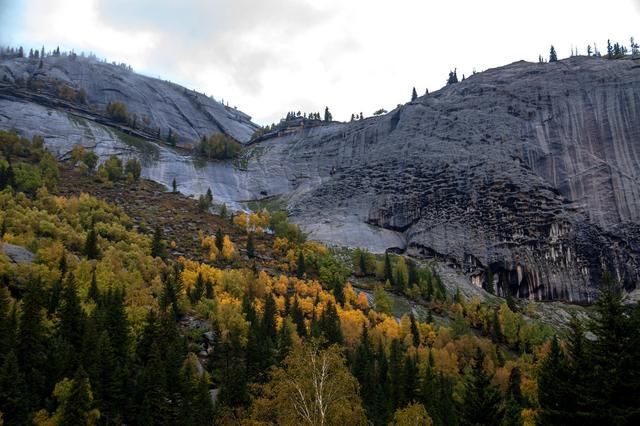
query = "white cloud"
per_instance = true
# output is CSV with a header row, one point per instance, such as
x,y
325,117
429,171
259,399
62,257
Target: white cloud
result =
x,y
271,56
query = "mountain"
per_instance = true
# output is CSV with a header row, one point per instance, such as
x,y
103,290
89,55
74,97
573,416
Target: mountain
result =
x,y
83,87
524,175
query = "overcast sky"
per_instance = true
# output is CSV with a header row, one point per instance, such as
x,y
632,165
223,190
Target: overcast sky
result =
x,y
271,56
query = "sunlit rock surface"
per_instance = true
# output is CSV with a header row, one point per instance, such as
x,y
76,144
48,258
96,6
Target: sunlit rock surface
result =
x,y
158,105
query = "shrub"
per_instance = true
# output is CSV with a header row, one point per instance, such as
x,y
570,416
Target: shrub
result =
x,y
90,159
27,178
113,167
134,168
118,111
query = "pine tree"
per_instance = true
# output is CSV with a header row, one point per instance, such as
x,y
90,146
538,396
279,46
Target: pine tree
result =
x,y
330,324
415,333
481,400
388,271
174,186
553,57
301,267
269,318
363,370
397,394
514,400
251,251
77,407
231,367
614,389
157,245
453,77
553,391
106,386
298,318
327,114
31,345
208,288
429,387
71,315
383,403
152,391
284,341
54,296
198,290
414,95
14,394
413,274
410,378
91,243
219,240
7,326
94,293
338,292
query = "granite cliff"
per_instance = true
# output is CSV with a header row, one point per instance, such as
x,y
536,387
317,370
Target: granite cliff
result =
x,y
524,177
73,88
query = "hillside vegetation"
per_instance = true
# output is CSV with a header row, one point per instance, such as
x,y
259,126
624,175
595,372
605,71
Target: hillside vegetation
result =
x,y
141,308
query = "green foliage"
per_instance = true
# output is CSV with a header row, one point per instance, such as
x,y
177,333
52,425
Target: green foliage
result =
x,y
118,111
364,262
481,402
553,56
157,243
90,159
28,178
219,147
91,243
282,228
113,168
590,384
133,168
381,300
205,202
251,249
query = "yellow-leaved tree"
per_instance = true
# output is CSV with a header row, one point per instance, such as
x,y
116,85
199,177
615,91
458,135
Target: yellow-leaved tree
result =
x,y
313,387
412,415
229,252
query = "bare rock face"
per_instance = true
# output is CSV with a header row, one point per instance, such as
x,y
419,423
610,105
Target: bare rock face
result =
x,y
16,254
529,171
86,86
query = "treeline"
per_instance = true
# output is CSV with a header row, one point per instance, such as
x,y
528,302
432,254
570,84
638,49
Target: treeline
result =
x,y
9,52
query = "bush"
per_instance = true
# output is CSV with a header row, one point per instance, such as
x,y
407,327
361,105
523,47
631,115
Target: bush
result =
x,y
134,168
118,111
27,178
90,159
113,167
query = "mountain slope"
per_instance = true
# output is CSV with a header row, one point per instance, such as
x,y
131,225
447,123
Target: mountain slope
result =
x,y
524,175
86,86
528,170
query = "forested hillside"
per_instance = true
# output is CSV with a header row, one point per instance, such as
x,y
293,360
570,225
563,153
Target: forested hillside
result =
x,y
140,306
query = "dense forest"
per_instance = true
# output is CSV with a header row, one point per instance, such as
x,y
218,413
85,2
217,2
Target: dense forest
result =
x,y
97,327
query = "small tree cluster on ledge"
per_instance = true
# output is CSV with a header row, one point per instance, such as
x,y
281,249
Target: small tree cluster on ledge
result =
x,y
218,147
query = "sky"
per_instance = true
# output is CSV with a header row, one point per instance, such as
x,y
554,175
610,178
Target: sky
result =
x,y
268,57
